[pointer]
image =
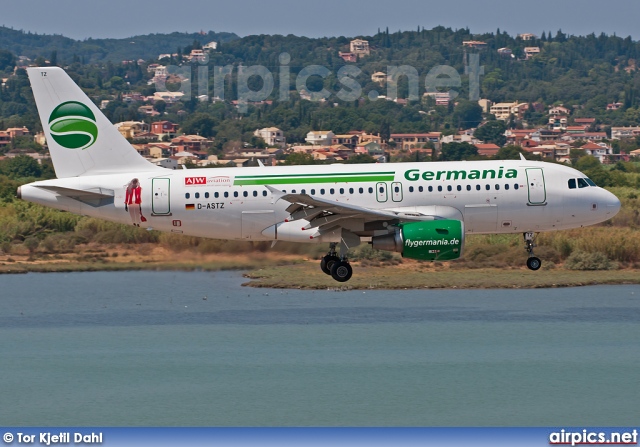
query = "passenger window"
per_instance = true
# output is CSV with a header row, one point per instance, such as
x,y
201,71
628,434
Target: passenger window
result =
x,y
468,187
477,187
226,194
245,194
410,188
515,186
582,183
216,195
506,186
449,188
430,188
264,193
293,191
187,195
396,189
341,190
370,190
332,191
197,195
313,192
487,187
322,191
459,188
255,193
381,189
361,190
497,187
440,188
304,191
206,195
420,189
351,191
235,193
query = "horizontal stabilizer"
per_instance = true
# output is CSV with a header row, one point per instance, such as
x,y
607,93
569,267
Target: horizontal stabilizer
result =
x,y
95,197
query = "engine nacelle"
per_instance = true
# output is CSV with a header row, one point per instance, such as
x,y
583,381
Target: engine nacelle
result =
x,y
435,240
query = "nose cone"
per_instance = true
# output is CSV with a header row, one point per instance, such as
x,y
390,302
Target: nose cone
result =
x,y
611,204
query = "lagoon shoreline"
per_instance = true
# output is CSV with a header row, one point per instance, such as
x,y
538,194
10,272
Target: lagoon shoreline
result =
x,y
285,272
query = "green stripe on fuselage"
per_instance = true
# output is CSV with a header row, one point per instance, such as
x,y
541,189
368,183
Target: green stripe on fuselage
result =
x,y
242,180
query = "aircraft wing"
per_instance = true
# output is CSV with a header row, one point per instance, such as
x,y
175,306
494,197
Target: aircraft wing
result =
x,y
324,213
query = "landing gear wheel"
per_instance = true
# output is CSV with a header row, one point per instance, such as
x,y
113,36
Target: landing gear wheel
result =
x,y
341,271
327,262
534,263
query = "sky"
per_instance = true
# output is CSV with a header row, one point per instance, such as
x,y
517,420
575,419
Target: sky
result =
x,y
81,19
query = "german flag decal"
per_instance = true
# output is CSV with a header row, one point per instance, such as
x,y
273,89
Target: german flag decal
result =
x,y
190,206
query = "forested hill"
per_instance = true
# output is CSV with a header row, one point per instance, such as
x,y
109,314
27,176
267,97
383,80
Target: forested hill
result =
x,y
149,46
576,69
584,73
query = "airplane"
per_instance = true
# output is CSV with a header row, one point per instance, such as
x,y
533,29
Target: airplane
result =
x,y
422,210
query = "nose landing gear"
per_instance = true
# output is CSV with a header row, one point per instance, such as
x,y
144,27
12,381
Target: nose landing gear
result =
x,y
533,263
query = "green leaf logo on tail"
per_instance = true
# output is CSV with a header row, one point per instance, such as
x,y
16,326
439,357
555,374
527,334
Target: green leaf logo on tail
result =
x,y
73,125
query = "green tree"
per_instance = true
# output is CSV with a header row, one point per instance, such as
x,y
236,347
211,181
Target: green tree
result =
x,y
300,158
510,152
587,162
7,59
199,124
457,151
467,114
361,158
160,107
492,132
21,166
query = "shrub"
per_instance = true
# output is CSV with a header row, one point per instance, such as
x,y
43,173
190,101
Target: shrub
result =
x,y
580,260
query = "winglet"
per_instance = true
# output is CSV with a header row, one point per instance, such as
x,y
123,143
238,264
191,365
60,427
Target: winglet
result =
x,y
522,157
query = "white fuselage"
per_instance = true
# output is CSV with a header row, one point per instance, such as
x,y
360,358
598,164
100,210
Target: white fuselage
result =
x,y
234,203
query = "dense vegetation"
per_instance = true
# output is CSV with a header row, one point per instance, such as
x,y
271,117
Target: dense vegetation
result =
x,y
584,73
62,50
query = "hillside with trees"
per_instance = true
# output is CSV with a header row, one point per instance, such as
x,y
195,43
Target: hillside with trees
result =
x,y
62,50
584,73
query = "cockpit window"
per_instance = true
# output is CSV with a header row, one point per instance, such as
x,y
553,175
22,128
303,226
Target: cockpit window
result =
x,y
590,182
572,183
582,183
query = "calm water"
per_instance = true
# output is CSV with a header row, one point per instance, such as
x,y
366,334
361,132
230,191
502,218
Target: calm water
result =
x,y
197,349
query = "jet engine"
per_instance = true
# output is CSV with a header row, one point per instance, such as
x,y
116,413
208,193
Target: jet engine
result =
x,y
435,240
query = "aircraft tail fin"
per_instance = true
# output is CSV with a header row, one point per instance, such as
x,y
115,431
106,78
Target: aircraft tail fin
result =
x,y
81,140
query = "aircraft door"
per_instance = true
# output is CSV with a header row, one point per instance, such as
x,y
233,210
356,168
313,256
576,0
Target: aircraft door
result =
x,y
536,186
160,202
396,191
381,192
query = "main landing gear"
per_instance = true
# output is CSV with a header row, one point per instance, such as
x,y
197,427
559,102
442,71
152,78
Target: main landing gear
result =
x,y
533,263
336,266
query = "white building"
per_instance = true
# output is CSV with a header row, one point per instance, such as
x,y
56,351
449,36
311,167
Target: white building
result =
x,y
272,136
619,133
359,47
503,110
320,137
